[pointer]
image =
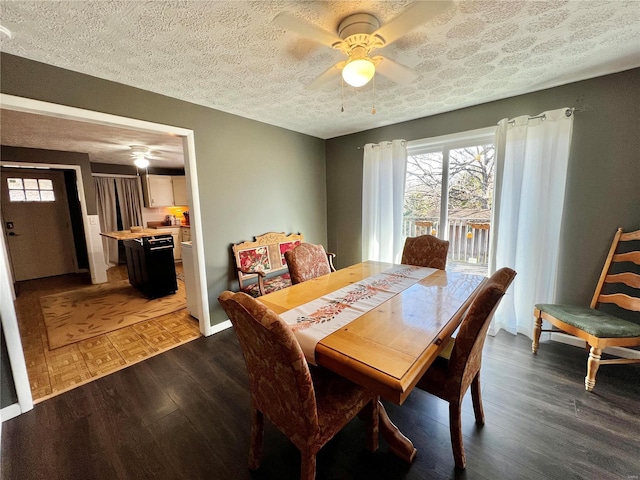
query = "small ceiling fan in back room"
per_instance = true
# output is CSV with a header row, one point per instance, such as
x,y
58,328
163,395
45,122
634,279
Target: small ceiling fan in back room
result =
x,y
358,35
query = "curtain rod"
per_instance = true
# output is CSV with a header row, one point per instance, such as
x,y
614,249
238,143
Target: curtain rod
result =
x,y
570,111
378,144
113,175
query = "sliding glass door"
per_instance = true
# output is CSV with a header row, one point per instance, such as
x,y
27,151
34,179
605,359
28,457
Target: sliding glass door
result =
x,y
449,194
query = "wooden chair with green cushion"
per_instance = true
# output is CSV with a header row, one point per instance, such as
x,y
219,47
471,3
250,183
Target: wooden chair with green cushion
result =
x,y
619,284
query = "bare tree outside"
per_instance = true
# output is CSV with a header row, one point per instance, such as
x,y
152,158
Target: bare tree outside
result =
x,y
423,185
471,171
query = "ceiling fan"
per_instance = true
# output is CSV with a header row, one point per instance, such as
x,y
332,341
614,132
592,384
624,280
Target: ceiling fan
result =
x,y
142,155
359,35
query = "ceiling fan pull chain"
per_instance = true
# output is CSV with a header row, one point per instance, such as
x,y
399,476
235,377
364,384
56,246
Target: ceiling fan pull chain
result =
x,y
342,93
373,84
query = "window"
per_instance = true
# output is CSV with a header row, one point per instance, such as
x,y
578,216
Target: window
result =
x,y
449,194
30,190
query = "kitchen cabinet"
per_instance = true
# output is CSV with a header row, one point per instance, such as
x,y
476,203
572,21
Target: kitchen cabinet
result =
x,y
157,190
164,190
185,234
180,190
177,249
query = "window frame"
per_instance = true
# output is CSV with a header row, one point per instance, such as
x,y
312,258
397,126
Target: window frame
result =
x,y
39,182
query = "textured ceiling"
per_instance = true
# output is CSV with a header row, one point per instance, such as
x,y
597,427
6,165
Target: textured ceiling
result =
x,y
104,144
231,56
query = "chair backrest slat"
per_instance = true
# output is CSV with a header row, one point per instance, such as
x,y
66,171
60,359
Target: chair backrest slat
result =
x,y
630,236
628,278
622,300
618,269
627,257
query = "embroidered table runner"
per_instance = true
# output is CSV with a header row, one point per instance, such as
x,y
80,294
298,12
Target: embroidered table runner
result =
x,y
321,317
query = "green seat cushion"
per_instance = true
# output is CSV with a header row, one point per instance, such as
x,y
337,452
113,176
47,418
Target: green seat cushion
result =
x,y
592,321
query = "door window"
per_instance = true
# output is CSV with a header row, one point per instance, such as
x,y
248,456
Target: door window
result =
x,y
30,190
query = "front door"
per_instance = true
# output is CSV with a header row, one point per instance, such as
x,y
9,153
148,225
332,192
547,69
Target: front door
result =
x,y
37,223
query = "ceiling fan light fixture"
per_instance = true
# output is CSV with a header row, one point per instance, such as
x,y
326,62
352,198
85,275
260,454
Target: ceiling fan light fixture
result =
x,y
141,162
139,154
358,71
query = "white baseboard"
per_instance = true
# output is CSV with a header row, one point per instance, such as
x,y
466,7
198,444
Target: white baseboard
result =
x,y
9,412
577,342
221,326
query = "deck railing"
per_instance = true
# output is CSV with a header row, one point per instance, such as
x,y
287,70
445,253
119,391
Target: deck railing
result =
x,y
468,237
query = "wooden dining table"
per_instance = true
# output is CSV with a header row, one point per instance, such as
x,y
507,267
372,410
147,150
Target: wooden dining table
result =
x,y
391,346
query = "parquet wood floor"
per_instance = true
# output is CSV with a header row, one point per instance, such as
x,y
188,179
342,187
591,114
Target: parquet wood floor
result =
x,y
52,372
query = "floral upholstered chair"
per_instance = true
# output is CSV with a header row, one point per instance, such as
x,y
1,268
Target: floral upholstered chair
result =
x,y
260,264
308,406
425,251
307,261
450,378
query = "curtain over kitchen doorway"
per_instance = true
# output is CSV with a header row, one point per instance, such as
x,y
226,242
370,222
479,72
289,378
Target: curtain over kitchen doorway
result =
x,y
532,153
384,169
119,208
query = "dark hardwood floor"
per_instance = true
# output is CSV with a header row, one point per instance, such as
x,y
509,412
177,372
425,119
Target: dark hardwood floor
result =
x,y
185,414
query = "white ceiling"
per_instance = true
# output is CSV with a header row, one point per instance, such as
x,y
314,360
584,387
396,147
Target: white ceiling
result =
x,y
231,56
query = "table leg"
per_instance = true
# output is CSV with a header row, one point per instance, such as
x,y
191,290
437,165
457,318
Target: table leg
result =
x,y
398,443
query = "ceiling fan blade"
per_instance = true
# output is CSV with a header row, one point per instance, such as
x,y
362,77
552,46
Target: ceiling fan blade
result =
x,y
306,30
394,70
416,14
331,73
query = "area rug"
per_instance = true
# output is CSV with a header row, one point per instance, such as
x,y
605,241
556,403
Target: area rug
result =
x,y
84,313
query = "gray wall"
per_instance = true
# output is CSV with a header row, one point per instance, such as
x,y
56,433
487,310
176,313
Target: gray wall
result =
x,y
603,187
253,177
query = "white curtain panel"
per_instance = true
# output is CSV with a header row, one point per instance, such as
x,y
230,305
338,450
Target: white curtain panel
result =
x,y
384,169
534,154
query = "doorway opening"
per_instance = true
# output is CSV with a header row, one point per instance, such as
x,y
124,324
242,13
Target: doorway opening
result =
x,y
90,225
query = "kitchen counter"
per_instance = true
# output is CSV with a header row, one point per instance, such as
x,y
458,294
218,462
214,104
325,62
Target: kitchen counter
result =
x,y
129,235
160,225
